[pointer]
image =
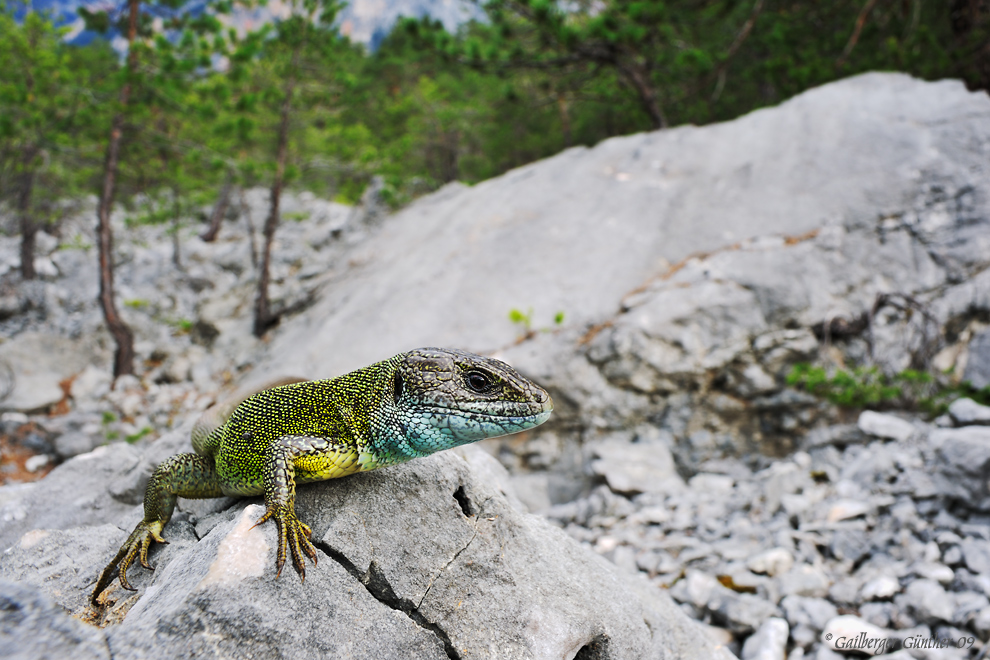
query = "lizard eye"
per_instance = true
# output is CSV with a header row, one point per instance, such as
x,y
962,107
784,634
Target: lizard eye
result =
x,y
397,388
478,381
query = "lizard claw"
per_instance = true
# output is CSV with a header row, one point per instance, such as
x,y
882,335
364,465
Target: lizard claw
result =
x,y
293,535
135,547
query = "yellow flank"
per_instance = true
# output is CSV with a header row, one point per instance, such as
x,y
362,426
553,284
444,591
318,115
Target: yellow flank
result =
x,y
319,467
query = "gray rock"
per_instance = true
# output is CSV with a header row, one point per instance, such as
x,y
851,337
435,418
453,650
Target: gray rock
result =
x,y
40,361
643,467
838,434
804,580
883,425
775,561
963,460
928,601
978,363
74,443
976,553
32,627
222,596
812,612
74,493
769,642
965,411
483,578
850,544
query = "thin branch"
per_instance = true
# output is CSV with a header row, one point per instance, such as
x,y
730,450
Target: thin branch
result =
x,y
854,39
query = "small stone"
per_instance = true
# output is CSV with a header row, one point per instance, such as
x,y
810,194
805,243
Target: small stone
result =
x,y
978,364
91,383
775,561
74,443
711,483
885,426
696,588
934,571
847,509
966,412
804,580
769,642
850,544
928,600
644,467
953,555
981,622
876,613
848,633
977,555
812,612
742,612
36,462
880,588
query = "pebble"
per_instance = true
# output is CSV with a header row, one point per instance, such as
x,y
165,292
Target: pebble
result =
x,y
772,562
882,425
966,411
769,642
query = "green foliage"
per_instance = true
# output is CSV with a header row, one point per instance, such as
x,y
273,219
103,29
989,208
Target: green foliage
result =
x,y
134,437
868,387
429,106
525,321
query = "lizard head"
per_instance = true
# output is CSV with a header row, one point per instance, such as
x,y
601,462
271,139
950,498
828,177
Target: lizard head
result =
x,y
445,398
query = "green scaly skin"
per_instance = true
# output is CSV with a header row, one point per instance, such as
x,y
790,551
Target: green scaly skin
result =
x,y
412,405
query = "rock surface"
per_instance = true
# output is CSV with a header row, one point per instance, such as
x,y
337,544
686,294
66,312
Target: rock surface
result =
x,y
484,576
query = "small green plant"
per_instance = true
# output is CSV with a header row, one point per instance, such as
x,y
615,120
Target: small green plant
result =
x,y
136,303
109,417
296,216
868,387
76,242
181,326
134,437
525,321
113,435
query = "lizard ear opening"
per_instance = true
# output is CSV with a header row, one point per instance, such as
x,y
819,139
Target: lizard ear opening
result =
x,y
397,388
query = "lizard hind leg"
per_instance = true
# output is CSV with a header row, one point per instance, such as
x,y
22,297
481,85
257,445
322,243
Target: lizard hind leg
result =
x,y
182,475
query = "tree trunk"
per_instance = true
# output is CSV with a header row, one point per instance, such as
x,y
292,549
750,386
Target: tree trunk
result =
x,y
565,118
123,362
219,210
29,228
246,210
263,316
176,227
639,79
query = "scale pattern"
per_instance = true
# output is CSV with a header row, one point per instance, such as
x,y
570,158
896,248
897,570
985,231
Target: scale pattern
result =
x,y
412,405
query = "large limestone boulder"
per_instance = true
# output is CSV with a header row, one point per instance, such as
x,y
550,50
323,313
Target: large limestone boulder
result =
x,y
881,156
430,559
694,266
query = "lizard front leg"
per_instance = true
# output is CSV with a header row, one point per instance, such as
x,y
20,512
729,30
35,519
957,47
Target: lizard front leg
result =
x,y
280,499
183,475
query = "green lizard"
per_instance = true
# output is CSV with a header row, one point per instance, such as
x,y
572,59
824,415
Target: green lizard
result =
x,y
411,405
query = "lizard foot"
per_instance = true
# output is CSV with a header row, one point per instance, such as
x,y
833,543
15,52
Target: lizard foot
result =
x,y
293,535
136,546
